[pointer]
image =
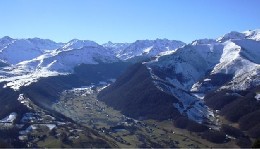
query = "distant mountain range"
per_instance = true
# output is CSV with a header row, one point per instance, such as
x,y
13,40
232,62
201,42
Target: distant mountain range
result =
x,y
155,79
42,56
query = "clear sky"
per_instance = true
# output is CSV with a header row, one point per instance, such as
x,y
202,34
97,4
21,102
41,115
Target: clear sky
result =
x,y
126,20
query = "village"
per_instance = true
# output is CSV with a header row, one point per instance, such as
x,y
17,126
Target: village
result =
x,y
39,129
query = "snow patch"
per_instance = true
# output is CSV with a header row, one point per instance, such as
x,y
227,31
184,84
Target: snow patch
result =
x,y
35,127
10,118
84,90
17,81
257,96
25,101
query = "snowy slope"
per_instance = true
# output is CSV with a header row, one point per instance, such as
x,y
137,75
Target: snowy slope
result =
x,y
187,65
14,51
67,57
67,60
59,61
177,72
229,62
149,48
233,54
34,62
253,34
239,61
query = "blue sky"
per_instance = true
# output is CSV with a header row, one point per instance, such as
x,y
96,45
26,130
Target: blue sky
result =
x,y
126,20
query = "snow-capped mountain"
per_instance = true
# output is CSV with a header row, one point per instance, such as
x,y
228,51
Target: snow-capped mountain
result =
x,y
77,44
73,53
149,48
230,62
239,64
65,61
234,56
176,73
38,56
55,62
250,34
14,51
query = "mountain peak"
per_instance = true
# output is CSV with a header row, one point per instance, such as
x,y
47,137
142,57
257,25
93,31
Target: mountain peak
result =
x,y
231,35
7,38
109,42
77,44
74,40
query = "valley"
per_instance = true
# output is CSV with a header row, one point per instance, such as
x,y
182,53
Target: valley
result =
x,y
82,106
